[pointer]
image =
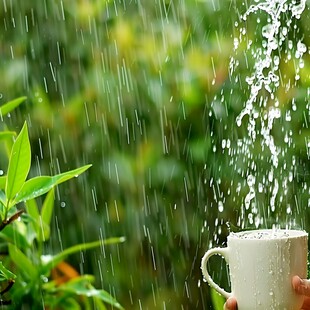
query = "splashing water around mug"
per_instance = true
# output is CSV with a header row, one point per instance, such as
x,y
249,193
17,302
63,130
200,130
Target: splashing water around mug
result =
x,y
267,82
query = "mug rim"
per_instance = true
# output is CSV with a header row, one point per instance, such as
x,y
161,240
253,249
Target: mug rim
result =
x,y
285,234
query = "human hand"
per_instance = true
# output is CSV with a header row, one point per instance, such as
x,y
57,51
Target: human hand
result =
x,y
301,287
231,304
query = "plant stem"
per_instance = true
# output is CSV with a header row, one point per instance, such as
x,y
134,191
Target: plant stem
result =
x,y
11,219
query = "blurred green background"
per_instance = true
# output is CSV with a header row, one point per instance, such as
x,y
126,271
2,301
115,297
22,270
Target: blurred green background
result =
x,y
142,90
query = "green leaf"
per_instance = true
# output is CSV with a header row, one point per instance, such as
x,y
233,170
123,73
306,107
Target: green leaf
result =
x,y
46,214
7,135
16,234
47,209
52,261
38,186
2,198
34,217
33,210
2,182
11,105
19,164
99,305
61,302
22,262
34,187
65,176
82,286
217,300
6,274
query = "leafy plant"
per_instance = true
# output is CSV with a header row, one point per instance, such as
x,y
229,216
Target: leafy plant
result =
x,y
25,233
217,300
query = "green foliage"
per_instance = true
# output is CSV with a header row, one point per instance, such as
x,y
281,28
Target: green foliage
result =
x,y
217,300
19,166
10,106
82,286
25,236
143,90
40,185
53,261
5,274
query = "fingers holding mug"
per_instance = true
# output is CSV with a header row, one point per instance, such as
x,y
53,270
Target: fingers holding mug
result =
x,y
231,304
301,286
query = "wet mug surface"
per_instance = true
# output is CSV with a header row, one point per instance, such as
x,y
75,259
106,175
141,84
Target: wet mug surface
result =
x,y
262,264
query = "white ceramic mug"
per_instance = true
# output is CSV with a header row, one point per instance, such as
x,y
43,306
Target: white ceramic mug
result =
x,y
262,264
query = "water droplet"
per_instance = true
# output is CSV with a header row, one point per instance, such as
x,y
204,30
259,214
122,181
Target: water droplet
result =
x,y
44,279
251,180
220,206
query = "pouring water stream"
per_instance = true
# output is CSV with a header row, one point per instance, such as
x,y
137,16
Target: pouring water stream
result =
x,y
263,106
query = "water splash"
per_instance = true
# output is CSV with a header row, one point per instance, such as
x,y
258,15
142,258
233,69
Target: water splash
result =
x,y
262,109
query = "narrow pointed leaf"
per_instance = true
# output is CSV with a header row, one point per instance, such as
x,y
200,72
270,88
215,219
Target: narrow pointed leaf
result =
x,y
34,223
56,259
82,286
11,105
2,198
19,164
47,209
65,176
46,214
33,210
38,186
34,187
2,182
22,261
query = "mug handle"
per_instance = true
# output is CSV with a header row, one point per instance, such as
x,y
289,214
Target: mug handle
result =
x,y
215,251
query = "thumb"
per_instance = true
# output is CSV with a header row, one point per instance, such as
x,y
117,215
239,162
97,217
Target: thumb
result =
x,y
301,286
231,304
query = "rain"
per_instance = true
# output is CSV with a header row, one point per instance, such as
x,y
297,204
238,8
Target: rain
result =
x,y
193,114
